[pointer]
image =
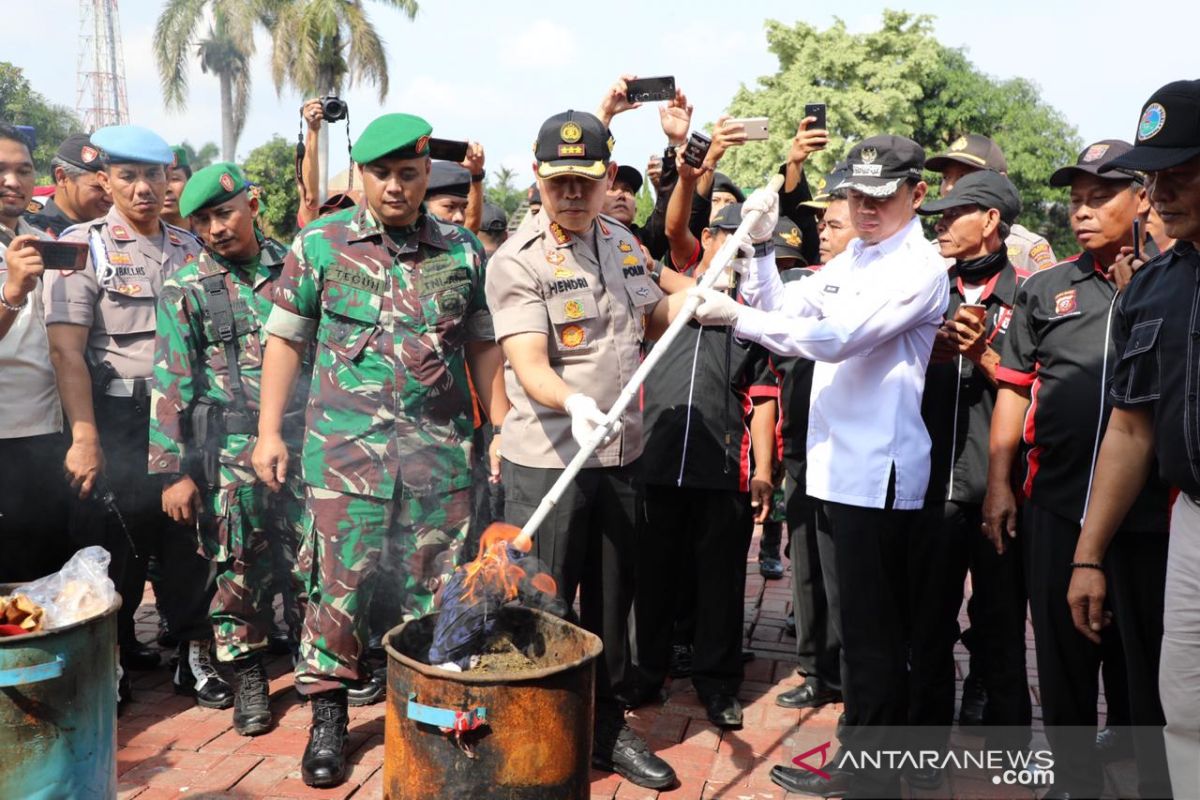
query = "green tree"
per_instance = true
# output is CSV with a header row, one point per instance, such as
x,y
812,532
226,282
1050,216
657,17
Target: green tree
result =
x,y
225,52
900,79
271,167
201,158
21,105
502,192
645,204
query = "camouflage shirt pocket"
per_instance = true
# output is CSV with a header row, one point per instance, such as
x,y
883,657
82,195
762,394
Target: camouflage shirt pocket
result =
x,y
349,319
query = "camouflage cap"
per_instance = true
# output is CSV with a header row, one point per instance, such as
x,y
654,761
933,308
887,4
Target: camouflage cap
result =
x,y
210,186
396,135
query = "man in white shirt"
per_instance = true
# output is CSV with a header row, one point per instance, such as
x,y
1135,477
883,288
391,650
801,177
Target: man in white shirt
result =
x,y
868,320
33,523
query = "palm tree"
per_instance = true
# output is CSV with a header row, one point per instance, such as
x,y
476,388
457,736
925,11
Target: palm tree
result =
x,y
225,52
324,46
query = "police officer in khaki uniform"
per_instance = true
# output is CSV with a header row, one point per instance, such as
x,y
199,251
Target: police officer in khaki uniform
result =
x,y
572,302
1026,250
101,325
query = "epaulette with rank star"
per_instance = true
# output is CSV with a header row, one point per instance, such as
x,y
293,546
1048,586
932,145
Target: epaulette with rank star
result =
x,y
560,235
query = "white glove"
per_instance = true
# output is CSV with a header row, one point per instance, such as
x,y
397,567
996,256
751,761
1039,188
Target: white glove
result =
x,y
717,308
586,416
767,202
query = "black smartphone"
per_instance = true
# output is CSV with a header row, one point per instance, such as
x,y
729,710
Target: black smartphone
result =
x,y
816,110
650,90
68,256
1137,238
696,149
447,150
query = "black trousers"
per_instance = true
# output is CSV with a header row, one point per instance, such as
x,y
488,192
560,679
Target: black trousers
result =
x,y
34,498
586,543
1137,571
873,579
1068,664
814,585
142,530
953,542
692,548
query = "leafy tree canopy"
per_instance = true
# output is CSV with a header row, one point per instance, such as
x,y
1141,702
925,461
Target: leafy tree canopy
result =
x,y
271,166
900,79
21,105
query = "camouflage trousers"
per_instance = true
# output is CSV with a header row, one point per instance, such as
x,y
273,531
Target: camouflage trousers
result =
x,y
251,534
359,555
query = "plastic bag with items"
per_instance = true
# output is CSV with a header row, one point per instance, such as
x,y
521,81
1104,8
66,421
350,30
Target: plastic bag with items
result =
x,y
80,590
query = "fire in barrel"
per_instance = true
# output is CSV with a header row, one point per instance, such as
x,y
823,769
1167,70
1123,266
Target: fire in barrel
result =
x,y
491,696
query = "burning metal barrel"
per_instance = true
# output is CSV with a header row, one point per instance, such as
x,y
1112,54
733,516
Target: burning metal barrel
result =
x,y
518,733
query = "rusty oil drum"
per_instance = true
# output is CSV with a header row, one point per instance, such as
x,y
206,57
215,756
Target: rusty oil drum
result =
x,y
535,740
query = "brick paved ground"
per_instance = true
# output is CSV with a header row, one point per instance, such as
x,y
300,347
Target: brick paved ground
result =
x,y
170,748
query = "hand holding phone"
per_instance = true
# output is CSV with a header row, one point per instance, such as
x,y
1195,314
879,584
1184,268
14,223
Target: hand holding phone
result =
x,y
757,128
448,150
66,256
650,90
696,149
817,112
1137,238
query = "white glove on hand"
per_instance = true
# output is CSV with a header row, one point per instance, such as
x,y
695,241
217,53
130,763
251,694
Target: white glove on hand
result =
x,y
717,308
585,418
767,202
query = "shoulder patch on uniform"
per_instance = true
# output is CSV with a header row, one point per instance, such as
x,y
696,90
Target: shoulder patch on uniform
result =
x,y
560,235
1041,255
572,337
120,233
1066,302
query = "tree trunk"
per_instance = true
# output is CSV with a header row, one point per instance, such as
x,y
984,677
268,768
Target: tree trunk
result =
x,y
228,137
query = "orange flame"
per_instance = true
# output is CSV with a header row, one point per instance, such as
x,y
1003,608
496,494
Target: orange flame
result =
x,y
493,573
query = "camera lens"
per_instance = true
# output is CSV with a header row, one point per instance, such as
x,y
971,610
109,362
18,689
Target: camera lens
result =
x,y
333,108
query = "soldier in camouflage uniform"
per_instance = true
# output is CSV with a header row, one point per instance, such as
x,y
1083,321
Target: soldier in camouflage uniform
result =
x,y
203,423
395,301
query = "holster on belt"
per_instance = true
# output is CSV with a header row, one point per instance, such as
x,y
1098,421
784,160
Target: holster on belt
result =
x,y
101,372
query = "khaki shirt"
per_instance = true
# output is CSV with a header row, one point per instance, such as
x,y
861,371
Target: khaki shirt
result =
x,y
116,300
1027,251
591,302
28,394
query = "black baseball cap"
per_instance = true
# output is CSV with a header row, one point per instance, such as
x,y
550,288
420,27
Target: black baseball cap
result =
x,y
535,194
879,164
828,186
1092,159
494,219
728,218
1168,131
446,177
723,183
630,177
573,143
983,188
78,151
974,150
787,239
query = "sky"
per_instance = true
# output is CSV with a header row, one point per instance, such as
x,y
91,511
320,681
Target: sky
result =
x,y
492,71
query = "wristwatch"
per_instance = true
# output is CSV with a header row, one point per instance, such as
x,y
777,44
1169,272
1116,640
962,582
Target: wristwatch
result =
x,y
479,178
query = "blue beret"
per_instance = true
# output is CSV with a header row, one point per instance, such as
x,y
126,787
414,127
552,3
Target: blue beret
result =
x,y
122,144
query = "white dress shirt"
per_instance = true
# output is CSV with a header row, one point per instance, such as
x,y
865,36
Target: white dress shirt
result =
x,y
867,318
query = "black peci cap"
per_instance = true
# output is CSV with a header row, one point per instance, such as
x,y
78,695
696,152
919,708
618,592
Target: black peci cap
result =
x,y
723,183
573,143
1092,160
448,178
1168,131
986,189
630,177
728,218
879,164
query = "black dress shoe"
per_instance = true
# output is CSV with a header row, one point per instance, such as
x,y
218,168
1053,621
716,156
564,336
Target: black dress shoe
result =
x,y
195,676
974,702
618,749
803,781
370,691
724,711
252,700
639,696
140,657
1113,745
925,777
770,567
808,695
324,761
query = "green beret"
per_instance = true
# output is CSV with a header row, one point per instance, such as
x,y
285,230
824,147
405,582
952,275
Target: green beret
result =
x,y
397,135
181,158
211,185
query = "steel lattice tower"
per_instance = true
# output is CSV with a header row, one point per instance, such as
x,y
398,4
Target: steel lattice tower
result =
x,y
100,74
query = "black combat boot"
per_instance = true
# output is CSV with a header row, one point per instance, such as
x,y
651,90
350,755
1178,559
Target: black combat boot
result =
x,y
252,700
196,676
324,762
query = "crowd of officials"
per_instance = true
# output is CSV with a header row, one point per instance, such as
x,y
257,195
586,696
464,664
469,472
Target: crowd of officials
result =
x,y
333,421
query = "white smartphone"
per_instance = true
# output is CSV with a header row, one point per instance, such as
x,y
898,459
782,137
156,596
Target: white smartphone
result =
x,y
757,129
